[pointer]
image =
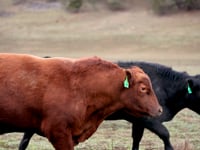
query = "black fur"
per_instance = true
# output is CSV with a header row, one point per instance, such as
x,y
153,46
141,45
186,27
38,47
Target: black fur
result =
x,y
170,87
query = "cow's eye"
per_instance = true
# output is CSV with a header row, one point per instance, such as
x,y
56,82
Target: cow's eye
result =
x,y
143,89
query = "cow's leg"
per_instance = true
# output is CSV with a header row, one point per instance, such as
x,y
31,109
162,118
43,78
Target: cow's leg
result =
x,y
58,134
137,133
160,130
25,140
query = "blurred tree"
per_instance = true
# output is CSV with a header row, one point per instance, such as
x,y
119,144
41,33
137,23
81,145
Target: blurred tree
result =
x,y
166,6
75,5
115,4
157,6
187,4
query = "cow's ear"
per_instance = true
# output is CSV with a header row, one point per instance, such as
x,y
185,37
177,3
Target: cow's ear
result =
x,y
127,79
190,85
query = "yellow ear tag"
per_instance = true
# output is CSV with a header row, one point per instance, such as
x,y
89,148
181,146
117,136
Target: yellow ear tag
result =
x,y
126,83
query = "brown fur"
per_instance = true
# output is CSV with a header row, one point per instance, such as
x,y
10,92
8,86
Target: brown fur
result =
x,y
65,100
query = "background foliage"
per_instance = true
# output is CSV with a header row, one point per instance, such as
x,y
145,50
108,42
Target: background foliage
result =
x,y
158,6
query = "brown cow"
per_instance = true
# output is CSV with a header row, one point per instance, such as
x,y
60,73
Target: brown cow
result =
x,y
65,100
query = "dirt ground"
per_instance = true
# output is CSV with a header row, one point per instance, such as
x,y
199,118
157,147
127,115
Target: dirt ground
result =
x,y
139,35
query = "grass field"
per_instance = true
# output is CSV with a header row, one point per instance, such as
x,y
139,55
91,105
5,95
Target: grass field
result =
x,y
172,40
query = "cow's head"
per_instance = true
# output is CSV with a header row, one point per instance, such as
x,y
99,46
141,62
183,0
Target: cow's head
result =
x,y
138,95
192,87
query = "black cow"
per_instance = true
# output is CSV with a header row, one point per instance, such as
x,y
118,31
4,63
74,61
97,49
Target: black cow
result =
x,y
175,91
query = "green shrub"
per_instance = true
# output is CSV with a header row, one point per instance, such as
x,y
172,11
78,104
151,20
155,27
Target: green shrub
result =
x,y
188,4
72,5
115,4
168,6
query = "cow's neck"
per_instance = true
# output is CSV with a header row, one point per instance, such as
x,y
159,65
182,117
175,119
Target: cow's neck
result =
x,y
101,111
175,100
101,99
95,114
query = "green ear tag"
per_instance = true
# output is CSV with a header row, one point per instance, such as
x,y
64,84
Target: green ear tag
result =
x,y
126,83
189,89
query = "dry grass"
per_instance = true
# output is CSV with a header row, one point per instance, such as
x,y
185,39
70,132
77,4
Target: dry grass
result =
x,y
130,35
